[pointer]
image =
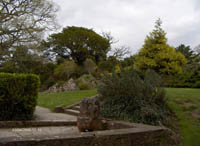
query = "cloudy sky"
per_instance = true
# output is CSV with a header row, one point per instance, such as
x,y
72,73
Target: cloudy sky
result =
x,y
129,21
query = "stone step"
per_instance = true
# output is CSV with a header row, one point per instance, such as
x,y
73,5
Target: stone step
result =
x,y
71,112
75,107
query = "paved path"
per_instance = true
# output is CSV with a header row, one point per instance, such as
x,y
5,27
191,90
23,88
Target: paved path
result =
x,y
42,113
35,133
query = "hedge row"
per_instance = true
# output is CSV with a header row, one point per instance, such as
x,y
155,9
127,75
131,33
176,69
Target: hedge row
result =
x,y
18,96
186,80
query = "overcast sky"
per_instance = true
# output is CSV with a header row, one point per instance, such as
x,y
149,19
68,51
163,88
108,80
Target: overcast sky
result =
x,y
129,21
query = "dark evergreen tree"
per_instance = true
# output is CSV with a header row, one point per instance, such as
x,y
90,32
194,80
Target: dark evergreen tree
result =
x,y
79,43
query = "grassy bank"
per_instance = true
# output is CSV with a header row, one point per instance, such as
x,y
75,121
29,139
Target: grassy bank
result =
x,y
50,100
186,105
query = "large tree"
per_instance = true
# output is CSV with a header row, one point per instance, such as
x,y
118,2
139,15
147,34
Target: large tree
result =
x,y
156,54
22,22
79,43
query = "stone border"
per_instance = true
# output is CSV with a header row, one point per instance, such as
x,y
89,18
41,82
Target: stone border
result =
x,y
22,124
138,135
70,106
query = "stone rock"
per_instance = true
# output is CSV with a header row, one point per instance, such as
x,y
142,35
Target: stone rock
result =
x,y
90,107
70,85
86,124
89,117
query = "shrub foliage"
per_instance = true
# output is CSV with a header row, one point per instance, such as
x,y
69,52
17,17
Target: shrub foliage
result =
x,y
65,70
86,82
186,80
128,96
18,96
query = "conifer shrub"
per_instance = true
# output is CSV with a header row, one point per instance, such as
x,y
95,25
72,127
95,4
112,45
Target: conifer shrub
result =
x,y
131,97
157,55
18,96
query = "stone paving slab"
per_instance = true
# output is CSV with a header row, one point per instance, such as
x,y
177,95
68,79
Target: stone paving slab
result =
x,y
36,123
34,133
42,113
43,116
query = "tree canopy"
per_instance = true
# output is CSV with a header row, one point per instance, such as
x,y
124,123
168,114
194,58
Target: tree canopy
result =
x,y
22,22
78,43
187,52
156,54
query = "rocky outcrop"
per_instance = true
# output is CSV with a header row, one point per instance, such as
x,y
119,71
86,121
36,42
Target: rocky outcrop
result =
x,y
70,85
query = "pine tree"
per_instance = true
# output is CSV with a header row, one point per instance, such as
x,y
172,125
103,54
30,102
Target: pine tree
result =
x,y
156,54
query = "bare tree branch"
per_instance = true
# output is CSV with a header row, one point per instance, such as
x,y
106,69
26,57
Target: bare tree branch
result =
x,y
109,37
120,52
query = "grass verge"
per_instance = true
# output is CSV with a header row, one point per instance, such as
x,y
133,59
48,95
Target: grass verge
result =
x,y
50,100
185,103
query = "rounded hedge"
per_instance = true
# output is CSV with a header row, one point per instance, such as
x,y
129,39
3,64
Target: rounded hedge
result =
x,y
18,96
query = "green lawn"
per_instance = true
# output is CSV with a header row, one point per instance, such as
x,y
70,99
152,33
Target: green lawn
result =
x,y
186,104
50,100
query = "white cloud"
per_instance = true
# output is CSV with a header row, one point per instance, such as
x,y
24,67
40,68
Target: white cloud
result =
x,y
129,21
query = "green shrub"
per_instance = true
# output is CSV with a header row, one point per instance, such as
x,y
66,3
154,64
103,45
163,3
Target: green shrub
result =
x,y
79,71
86,81
127,96
47,84
105,66
45,72
18,96
89,66
186,80
87,78
84,85
65,70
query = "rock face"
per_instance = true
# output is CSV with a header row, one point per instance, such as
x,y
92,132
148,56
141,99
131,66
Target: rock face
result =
x,y
70,85
89,118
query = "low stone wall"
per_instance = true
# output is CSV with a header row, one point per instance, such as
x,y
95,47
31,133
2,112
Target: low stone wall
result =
x,y
126,134
24,124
